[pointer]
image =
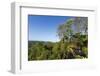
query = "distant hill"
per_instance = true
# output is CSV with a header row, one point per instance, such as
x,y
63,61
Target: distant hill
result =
x,y
30,43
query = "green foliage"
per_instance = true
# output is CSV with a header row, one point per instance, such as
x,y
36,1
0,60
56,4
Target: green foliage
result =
x,y
85,51
79,57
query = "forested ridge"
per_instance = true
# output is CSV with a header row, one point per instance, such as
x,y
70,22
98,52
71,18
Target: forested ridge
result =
x,y
72,44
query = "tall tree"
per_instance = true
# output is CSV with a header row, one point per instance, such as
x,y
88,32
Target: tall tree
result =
x,y
81,24
65,31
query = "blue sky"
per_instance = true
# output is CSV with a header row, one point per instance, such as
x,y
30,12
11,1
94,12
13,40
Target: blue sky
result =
x,y
44,28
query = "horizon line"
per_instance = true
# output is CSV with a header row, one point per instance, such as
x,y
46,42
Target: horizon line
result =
x,y
44,41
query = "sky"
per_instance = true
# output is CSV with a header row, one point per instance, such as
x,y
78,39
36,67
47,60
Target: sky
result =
x,y
44,28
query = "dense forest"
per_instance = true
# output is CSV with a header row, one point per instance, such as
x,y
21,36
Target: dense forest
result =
x,y
73,43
